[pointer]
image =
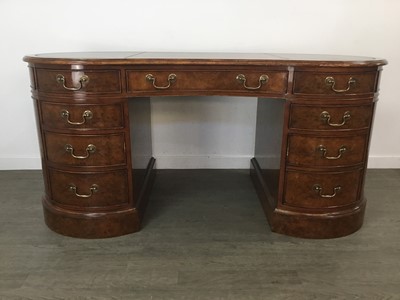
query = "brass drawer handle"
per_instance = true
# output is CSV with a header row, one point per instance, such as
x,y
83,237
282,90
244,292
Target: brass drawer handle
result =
x,y
262,80
326,117
331,82
87,115
171,78
82,81
90,149
318,189
323,151
93,189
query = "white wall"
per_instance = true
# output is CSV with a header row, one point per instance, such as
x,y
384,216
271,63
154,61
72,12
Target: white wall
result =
x,y
195,132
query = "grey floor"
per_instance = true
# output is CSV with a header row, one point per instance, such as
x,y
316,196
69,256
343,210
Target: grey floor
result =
x,y
204,237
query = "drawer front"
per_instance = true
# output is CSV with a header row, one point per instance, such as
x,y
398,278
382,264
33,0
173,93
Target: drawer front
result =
x,y
322,190
312,151
86,150
67,116
89,189
334,83
275,82
330,117
67,81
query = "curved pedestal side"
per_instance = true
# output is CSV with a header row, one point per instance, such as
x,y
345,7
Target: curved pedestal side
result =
x,y
307,225
100,224
317,226
90,225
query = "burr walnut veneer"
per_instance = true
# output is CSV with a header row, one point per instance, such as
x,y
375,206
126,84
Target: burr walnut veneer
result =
x,y
314,119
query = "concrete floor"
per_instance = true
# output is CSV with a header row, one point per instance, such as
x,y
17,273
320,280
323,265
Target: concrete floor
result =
x,y
204,237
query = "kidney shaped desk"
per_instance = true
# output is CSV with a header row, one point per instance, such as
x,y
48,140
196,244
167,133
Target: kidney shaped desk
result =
x,y
314,119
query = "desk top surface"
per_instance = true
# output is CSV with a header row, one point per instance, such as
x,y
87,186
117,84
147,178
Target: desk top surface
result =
x,y
208,58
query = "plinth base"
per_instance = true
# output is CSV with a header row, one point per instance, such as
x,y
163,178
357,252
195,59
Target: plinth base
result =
x,y
90,225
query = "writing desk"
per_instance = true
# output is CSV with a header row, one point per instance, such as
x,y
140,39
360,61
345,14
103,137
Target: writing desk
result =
x,y
314,119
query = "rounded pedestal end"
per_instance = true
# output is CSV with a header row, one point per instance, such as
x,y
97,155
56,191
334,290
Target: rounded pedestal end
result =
x,y
316,226
90,225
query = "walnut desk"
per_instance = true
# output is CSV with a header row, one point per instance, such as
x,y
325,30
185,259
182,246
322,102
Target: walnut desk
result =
x,y
314,119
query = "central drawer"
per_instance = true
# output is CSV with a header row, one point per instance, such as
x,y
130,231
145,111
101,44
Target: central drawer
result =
x,y
238,81
86,150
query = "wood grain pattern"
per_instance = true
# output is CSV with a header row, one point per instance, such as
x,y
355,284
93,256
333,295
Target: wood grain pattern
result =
x,y
103,116
109,149
104,81
314,83
112,188
341,151
212,81
300,191
309,116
